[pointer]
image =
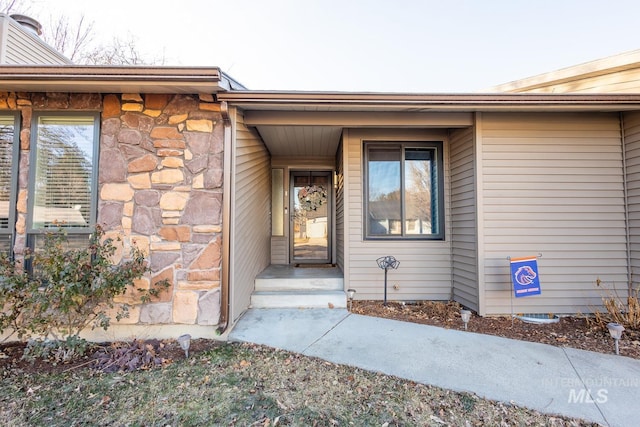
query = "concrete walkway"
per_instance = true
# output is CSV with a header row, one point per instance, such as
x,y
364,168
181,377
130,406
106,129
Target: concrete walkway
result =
x,y
576,383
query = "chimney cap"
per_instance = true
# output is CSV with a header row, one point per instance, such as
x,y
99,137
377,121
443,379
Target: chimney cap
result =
x,y
28,23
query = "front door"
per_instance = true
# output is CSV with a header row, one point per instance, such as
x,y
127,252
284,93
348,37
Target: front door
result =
x,y
311,217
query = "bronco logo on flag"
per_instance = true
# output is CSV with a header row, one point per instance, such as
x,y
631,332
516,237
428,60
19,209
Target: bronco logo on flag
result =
x,y
524,275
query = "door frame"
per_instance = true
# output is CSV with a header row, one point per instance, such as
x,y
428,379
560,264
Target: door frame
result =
x,y
330,215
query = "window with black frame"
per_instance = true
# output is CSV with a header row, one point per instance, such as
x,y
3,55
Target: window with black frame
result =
x,y
63,176
9,144
403,190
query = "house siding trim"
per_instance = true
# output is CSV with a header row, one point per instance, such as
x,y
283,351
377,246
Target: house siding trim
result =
x,y
631,129
346,196
479,167
625,189
340,207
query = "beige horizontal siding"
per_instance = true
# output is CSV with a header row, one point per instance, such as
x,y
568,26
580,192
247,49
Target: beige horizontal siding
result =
x,y
532,305
632,147
463,219
425,266
279,250
552,185
251,219
21,48
625,81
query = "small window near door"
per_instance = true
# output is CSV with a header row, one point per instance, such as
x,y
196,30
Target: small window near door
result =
x,y
277,202
404,190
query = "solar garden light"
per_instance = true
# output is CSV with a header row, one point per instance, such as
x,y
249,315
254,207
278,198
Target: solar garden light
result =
x,y
466,316
350,295
387,262
615,330
185,342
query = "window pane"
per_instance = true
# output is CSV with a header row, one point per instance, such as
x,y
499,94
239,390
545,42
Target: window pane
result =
x,y
383,201
418,187
73,241
5,243
277,202
63,172
6,169
404,192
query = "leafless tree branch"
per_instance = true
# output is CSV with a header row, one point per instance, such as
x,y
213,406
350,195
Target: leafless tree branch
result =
x,y
74,38
7,6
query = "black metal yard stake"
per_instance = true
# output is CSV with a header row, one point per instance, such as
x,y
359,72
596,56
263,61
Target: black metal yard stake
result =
x,y
387,262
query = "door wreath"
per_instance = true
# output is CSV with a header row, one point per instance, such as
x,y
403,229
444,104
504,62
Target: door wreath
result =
x,y
312,197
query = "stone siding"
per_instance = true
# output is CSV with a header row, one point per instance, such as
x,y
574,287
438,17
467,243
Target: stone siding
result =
x,y
160,188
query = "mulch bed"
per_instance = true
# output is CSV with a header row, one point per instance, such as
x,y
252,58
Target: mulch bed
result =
x,y
575,332
169,350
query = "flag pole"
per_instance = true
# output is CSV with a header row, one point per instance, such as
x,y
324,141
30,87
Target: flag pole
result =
x,y
511,297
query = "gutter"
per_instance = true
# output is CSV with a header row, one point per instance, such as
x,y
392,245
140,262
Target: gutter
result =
x,y
120,73
625,188
346,101
121,79
226,221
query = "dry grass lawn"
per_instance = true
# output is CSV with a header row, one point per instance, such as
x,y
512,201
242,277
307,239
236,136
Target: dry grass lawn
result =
x,y
225,384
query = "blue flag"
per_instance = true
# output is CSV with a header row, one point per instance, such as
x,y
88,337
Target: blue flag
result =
x,y
524,275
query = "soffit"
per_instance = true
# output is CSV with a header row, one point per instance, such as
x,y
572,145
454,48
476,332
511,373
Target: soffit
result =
x,y
301,141
317,133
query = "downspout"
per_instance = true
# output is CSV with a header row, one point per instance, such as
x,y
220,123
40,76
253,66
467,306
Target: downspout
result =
x,y
452,292
479,200
625,192
226,220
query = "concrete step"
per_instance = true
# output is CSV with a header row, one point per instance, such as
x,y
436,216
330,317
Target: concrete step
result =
x,y
263,284
299,299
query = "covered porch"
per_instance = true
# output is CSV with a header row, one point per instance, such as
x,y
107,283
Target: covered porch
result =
x,y
516,175
277,146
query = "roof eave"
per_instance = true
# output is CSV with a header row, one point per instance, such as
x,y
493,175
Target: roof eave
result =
x,y
617,63
431,102
112,79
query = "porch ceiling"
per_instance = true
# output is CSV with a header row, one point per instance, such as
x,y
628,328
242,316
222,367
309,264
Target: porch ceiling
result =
x,y
317,133
301,141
